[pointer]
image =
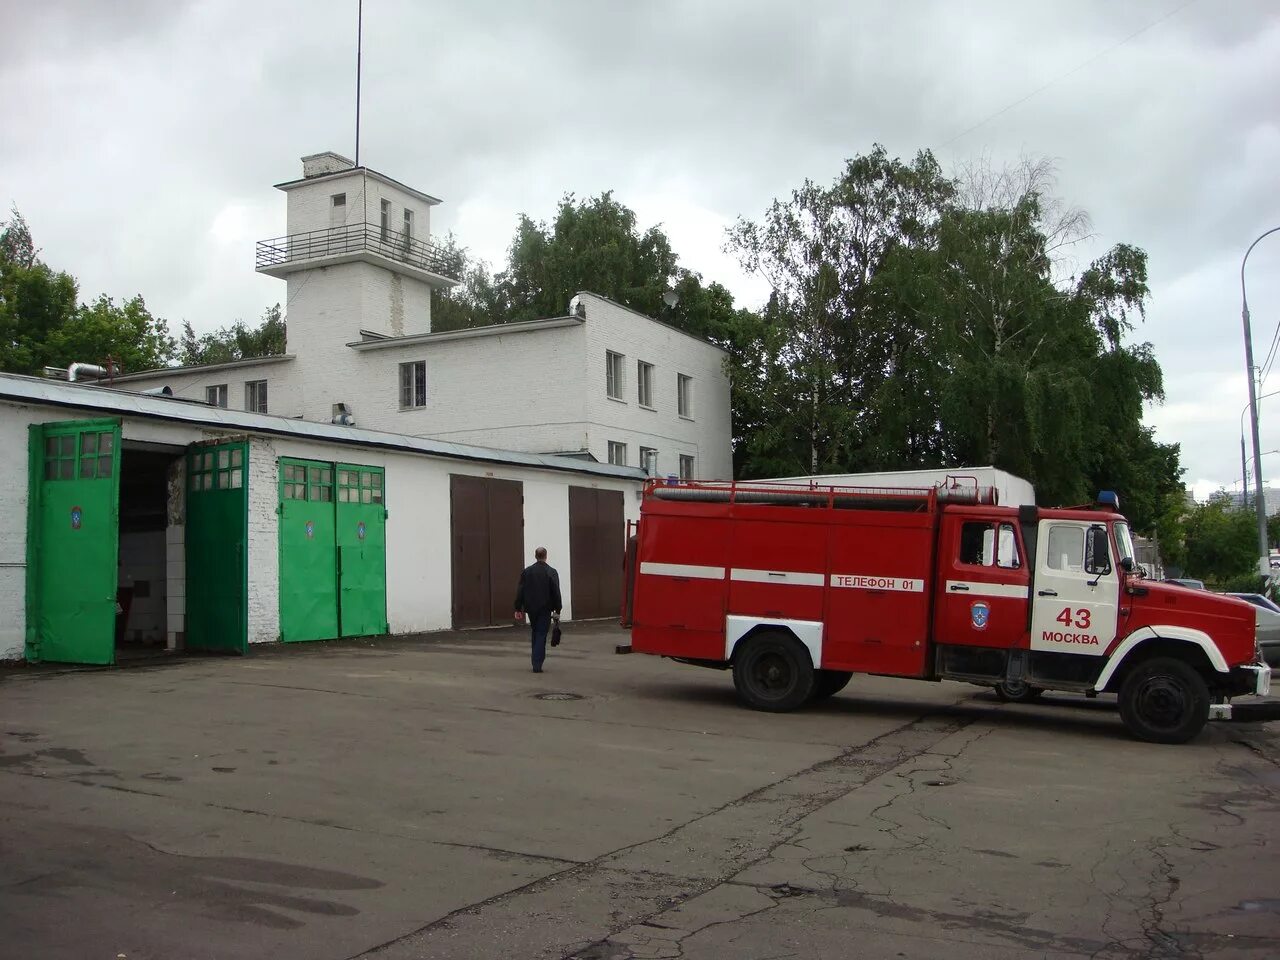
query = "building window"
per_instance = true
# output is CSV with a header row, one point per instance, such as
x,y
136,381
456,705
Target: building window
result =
x,y
644,383
218,468
386,218
408,222
613,374
360,485
337,210
649,460
413,385
255,396
684,395
96,456
686,467
216,395
617,453
340,200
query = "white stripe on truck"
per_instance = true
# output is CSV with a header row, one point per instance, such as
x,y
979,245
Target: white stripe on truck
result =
x,y
777,576
690,570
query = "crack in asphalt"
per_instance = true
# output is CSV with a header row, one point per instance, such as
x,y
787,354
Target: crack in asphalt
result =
x,y
793,808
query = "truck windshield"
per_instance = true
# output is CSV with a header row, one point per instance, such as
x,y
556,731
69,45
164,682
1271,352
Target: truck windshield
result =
x,y
1124,540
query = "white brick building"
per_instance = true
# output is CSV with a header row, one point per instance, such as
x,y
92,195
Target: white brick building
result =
x,y
601,382
197,521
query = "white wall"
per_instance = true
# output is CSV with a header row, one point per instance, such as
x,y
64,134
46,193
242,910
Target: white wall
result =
x,y
707,436
263,490
284,384
310,205
13,526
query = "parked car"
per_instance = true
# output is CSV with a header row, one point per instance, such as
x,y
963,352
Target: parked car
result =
x,y
1268,621
1185,582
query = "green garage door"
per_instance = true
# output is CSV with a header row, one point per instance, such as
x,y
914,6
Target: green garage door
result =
x,y
217,537
362,551
73,532
308,564
333,557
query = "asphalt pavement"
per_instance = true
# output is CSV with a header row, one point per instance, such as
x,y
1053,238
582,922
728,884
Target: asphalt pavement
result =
x,y
432,798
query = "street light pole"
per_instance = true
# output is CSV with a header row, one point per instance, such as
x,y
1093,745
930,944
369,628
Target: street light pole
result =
x,y
1263,550
1244,460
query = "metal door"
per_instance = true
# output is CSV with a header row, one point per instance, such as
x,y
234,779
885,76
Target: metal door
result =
x,y
1077,589
217,536
506,546
73,541
984,580
308,557
596,534
469,509
362,551
487,521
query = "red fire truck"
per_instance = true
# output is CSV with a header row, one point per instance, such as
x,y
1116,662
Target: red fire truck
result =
x,y
795,589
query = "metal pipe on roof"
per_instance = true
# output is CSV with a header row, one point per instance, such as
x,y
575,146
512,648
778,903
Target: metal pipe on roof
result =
x,y
91,368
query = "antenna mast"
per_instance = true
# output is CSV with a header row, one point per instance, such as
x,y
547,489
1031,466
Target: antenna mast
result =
x,y
359,44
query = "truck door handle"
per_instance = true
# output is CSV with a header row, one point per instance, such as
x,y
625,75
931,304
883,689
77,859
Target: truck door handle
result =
x,y
1046,593
959,586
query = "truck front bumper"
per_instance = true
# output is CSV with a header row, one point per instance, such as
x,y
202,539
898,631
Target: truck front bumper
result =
x,y
1250,680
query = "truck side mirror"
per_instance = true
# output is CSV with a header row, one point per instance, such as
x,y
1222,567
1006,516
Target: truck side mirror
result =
x,y
1127,564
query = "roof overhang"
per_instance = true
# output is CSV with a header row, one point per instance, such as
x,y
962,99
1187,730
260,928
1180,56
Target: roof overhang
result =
x,y
372,174
444,336
199,368
104,400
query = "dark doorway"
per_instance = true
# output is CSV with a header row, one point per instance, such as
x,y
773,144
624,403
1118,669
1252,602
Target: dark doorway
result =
x,y
597,529
487,548
142,588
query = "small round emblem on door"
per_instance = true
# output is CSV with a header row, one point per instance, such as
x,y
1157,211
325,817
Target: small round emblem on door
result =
x,y
311,529
360,530
77,517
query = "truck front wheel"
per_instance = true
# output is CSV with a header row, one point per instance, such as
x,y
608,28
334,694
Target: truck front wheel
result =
x,y
1164,700
772,672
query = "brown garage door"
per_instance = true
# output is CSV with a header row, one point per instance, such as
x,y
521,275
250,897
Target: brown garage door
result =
x,y
487,548
597,529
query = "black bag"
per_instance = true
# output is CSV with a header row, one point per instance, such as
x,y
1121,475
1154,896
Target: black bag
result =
x,y
555,635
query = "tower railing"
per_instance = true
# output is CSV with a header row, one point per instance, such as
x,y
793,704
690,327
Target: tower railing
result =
x,y
357,238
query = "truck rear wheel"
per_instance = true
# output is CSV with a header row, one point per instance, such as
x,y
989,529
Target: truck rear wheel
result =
x,y
1164,700
828,683
772,671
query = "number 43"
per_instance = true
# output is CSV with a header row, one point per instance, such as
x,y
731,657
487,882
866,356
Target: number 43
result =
x,y
1080,620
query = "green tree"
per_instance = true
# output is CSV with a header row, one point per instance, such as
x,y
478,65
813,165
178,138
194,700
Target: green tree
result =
x,y
237,341
41,323
832,338
593,244
477,301
1221,542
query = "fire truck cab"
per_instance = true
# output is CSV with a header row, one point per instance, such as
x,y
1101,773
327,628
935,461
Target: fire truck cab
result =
x,y
797,589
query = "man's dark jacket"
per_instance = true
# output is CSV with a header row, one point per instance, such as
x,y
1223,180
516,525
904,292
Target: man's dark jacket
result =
x,y
539,590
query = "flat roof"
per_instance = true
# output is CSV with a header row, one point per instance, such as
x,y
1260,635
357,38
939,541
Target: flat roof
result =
x,y
392,181
488,330
662,323
83,396
165,371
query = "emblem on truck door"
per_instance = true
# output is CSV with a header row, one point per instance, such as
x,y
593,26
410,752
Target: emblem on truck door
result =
x,y
979,614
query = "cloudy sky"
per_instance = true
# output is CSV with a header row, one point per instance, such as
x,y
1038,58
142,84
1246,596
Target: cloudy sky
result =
x,y
140,138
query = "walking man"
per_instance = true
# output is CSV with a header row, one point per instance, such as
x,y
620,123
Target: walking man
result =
x,y
538,596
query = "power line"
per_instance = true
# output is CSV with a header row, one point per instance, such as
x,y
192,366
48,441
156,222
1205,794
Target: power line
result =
x,y
1073,70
